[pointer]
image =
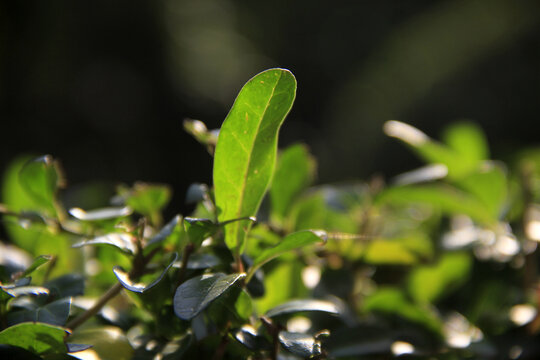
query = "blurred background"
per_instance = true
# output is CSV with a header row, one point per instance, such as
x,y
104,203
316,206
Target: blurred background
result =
x,y
105,85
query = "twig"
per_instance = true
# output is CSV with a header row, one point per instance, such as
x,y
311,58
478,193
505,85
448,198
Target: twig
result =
x,y
188,250
111,293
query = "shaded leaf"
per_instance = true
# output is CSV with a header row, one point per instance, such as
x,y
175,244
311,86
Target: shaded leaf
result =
x,y
247,335
199,261
122,241
77,347
194,295
245,154
38,338
302,345
54,313
199,229
295,306
138,287
66,285
173,226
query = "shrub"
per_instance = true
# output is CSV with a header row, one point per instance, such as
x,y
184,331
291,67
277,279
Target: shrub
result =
x,y
438,263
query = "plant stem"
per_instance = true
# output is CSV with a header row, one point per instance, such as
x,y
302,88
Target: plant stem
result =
x,y
188,250
111,293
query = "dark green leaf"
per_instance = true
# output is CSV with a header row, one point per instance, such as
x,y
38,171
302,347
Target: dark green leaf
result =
x,y
199,229
247,335
290,242
54,313
38,338
122,241
295,306
138,287
295,171
194,295
200,261
246,149
302,345
173,226
66,285
77,347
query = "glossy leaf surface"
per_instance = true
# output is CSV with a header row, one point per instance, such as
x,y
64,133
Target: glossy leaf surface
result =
x,y
197,293
122,241
54,313
139,287
295,306
245,154
302,345
38,338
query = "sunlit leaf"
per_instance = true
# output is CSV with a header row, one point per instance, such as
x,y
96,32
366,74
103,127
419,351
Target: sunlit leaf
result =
x,y
392,301
246,149
448,199
108,343
54,313
194,295
40,178
295,171
38,338
428,283
40,260
139,287
290,242
25,290
295,306
122,241
100,214
302,345
468,140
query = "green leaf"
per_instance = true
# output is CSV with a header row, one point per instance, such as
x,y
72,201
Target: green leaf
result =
x,y
446,198
489,185
428,283
302,345
66,285
54,313
200,132
290,242
194,295
40,260
392,301
295,171
248,336
38,338
139,287
122,241
457,160
174,227
467,139
199,262
295,306
147,199
108,342
199,229
245,154
40,178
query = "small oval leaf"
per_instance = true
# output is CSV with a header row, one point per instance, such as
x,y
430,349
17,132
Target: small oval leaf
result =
x,y
197,293
121,241
295,306
302,345
138,287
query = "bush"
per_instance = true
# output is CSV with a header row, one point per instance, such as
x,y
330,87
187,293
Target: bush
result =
x,y
438,263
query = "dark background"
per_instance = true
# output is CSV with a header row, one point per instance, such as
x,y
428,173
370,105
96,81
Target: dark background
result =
x,y
104,85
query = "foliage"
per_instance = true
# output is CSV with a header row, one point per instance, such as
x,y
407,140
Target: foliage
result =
x,y
438,263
